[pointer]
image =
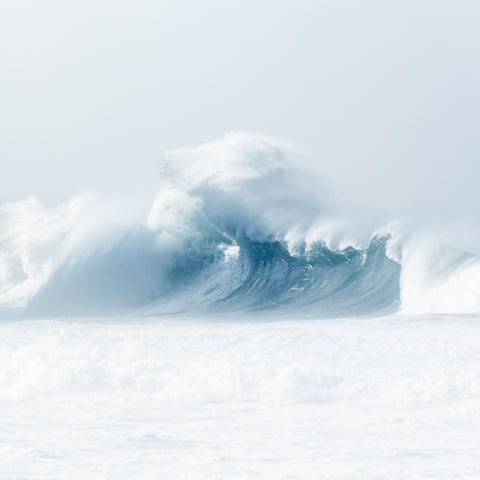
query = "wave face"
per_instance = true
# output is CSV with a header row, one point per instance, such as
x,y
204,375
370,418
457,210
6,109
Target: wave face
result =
x,y
236,226
322,280
222,275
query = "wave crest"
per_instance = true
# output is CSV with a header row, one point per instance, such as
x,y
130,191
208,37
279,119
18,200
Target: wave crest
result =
x,y
236,226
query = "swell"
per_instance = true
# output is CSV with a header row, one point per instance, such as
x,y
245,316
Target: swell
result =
x,y
224,275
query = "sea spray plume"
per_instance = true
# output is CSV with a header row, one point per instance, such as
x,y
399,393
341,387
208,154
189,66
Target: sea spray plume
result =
x,y
35,241
439,279
250,184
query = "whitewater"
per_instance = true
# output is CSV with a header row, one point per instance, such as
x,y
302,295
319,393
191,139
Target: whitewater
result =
x,y
239,323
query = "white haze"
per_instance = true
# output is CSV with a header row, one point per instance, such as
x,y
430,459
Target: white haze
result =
x,y
382,96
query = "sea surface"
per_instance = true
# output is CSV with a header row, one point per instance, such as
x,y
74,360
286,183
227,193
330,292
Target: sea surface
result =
x,y
248,398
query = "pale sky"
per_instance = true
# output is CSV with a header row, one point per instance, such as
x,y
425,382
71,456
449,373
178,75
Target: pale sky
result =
x,y
383,95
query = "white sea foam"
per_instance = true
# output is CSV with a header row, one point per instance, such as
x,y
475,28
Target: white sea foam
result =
x,y
177,398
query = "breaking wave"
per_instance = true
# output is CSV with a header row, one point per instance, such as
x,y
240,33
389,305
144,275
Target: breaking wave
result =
x,y
236,226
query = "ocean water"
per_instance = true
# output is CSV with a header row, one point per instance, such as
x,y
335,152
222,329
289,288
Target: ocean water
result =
x,y
240,325
115,398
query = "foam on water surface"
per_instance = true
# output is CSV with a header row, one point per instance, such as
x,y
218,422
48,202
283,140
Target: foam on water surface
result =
x,y
122,398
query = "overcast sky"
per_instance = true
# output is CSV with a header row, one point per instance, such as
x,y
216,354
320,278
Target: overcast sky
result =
x,y
384,95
